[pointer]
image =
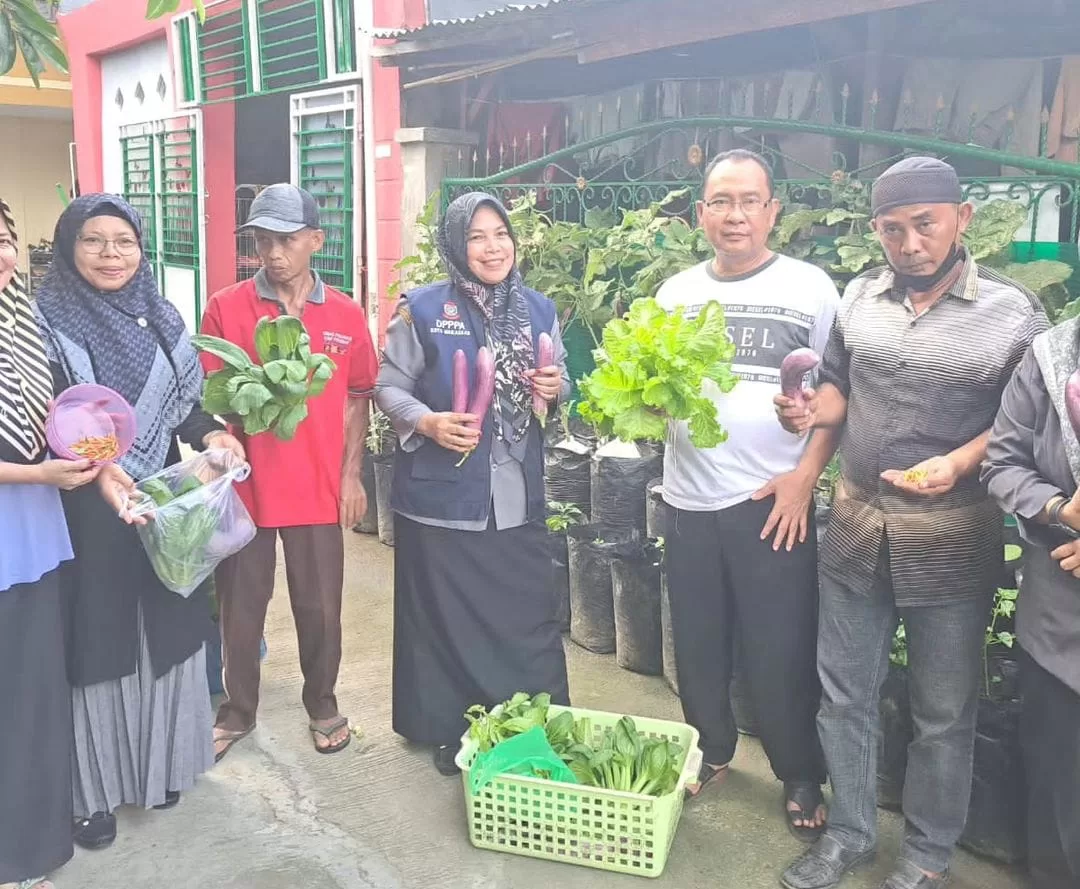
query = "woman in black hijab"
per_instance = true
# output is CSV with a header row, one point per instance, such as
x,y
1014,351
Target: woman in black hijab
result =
x,y
474,604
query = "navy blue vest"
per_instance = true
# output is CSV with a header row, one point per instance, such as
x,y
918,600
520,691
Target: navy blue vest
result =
x,y
427,481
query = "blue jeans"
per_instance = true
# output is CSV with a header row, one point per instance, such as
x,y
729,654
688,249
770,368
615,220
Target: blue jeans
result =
x,y
945,644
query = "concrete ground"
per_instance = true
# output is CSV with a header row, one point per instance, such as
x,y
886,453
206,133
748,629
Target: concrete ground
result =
x,y
274,815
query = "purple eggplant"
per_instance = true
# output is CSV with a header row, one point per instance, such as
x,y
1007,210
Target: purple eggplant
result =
x,y
1072,401
793,371
485,384
461,383
545,357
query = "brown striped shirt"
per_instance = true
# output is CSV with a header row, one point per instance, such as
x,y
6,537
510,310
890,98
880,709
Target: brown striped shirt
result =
x,y
920,387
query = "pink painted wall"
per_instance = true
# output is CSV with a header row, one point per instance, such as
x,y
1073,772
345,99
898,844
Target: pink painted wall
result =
x,y
386,86
107,26
110,25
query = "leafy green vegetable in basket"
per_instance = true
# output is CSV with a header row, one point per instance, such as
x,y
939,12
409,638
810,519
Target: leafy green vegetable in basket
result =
x,y
272,395
650,369
624,759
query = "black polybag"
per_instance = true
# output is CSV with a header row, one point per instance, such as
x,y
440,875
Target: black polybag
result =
x,y
620,474
369,524
566,473
635,582
384,477
671,673
996,823
592,602
657,512
560,571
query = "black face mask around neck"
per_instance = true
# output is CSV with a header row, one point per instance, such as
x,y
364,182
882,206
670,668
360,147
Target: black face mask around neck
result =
x,y
925,283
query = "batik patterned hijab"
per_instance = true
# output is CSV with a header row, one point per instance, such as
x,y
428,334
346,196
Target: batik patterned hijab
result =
x,y
131,340
505,309
25,379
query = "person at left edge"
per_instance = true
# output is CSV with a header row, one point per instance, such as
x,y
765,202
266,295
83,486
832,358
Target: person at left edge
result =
x,y
303,490
136,650
474,606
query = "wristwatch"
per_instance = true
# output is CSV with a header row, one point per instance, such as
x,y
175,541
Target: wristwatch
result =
x,y
1057,524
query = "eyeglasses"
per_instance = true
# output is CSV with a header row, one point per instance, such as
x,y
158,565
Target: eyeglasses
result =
x,y
94,245
749,206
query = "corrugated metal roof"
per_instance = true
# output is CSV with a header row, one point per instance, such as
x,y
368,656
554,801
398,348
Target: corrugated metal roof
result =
x,y
505,13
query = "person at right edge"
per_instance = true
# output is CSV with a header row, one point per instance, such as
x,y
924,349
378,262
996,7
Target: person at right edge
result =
x,y
914,371
1032,468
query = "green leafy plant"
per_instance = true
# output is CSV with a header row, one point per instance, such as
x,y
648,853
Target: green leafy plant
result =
x,y
424,266
562,516
273,395
180,535
898,653
997,638
378,433
158,8
651,368
25,31
623,759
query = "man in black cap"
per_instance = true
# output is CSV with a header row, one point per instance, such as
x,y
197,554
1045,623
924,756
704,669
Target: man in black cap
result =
x,y
303,490
914,371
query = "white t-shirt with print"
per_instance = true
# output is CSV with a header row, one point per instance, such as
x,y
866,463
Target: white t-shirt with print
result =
x,y
784,305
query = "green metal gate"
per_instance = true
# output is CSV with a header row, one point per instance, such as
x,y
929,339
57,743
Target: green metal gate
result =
x,y
162,180
325,162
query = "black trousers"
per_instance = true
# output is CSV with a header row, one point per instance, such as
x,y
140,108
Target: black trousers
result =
x,y
724,580
1050,736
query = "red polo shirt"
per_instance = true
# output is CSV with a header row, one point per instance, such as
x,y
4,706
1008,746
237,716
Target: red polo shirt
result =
x,y
298,482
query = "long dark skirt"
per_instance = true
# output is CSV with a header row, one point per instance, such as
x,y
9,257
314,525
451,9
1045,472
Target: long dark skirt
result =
x,y
474,622
35,742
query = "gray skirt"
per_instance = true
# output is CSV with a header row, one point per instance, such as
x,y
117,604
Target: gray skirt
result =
x,y
138,737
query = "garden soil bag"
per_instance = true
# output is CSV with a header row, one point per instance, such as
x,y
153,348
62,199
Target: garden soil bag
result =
x,y
384,477
560,572
657,512
621,472
671,673
894,713
195,518
592,603
996,823
566,473
635,583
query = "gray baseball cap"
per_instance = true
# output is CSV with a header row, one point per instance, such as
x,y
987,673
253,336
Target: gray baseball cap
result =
x,y
283,209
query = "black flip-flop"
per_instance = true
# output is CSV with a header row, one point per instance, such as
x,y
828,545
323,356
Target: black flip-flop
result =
x,y
329,730
705,774
807,796
230,739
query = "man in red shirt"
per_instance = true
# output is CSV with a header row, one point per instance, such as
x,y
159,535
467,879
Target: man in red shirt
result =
x,y
304,490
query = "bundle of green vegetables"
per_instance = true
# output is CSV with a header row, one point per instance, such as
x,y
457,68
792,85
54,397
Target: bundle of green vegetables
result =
x,y
273,394
180,536
651,368
623,759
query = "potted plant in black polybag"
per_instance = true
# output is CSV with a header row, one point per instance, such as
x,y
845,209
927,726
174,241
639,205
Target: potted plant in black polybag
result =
x,y
382,443
561,517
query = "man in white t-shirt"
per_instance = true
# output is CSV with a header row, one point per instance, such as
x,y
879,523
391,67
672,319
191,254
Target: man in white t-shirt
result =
x,y
741,549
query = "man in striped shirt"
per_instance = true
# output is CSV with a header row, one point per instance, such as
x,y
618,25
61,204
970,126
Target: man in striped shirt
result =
x,y
914,371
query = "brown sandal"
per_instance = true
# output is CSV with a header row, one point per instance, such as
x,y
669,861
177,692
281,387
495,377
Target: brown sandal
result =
x,y
706,774
328,731
230,739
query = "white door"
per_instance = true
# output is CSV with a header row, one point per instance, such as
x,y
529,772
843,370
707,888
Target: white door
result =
x,y
136,87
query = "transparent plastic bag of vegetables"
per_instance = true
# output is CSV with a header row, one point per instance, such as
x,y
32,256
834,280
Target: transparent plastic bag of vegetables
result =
x,y
195,518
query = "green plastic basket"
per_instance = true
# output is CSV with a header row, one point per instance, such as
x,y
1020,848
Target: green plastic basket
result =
x,y
627,833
